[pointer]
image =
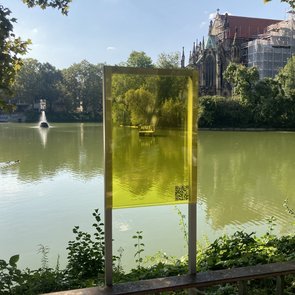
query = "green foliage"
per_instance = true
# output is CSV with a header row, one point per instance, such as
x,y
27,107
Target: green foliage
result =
x,y
183,225
86,262
243,249
255,103
290,2
172,112
149,100
291,211
44,250
218,111
286,77
141,104
10,275
64,91
81,84
86,255
37,81
243,80
62,5
139,246
168,61
139,59
11,48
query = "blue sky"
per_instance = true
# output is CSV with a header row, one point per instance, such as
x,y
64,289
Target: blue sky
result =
x,y
107,31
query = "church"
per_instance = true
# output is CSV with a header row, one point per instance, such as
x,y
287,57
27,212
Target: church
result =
x,y
264,43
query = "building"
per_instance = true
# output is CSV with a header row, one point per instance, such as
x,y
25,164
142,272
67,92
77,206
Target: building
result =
x,y
265,43
271,50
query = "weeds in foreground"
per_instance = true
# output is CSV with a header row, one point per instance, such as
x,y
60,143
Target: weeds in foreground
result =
x,y
86,262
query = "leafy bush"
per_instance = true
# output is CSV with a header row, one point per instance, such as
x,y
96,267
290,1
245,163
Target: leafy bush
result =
x,y
86,263
86,256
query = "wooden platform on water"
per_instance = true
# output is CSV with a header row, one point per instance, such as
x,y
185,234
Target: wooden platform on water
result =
x,y
146,130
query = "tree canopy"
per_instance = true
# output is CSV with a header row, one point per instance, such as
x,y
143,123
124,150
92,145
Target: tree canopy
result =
x,y
290,2
12,47
62,5
139,59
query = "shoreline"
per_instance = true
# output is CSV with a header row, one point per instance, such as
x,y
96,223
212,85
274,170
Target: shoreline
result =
x,y
245,129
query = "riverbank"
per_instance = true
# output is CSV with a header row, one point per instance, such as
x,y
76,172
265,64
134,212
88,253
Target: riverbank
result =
x,y
85,266
246,129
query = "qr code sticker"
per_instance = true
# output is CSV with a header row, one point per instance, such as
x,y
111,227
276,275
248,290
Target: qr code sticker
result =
x,y
181,192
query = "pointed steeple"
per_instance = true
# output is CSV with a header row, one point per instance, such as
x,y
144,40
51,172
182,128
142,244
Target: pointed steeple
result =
x,y
182,58
210,27
203,43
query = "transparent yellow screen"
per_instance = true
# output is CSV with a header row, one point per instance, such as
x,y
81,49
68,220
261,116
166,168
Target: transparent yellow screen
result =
x,y
150,137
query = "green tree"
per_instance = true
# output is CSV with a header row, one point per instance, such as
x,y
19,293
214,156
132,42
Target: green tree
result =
x,y
286,77
82,85
62,5
168,61
141,105
272,108
12,47
139,59
172,113
169,87
121,84
37,81
243,80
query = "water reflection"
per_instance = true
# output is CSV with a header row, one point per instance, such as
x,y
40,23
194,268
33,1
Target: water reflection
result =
x,y
147,170
243,178
64,147
43,135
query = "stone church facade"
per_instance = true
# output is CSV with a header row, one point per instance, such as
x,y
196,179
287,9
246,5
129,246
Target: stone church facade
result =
x,y
227,41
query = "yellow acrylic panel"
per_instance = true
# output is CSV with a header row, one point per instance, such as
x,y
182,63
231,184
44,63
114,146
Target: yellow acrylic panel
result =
x,y
150,130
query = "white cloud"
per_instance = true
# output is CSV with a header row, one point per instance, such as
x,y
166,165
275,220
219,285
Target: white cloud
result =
x,y
213,14
203,24
35,31
36,45
111,48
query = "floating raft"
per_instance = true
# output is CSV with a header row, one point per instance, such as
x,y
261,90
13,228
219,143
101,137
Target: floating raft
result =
x,y
146,130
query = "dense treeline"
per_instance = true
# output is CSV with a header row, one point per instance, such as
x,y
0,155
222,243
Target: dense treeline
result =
x,y
149,100
75,94
66,91
265,103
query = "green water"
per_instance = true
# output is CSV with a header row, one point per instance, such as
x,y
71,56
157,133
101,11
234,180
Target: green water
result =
x,y
243,179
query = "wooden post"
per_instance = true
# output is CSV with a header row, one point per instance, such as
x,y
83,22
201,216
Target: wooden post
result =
x,y
243,288
280,285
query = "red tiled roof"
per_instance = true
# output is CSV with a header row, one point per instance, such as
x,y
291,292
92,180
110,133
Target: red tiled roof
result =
x,y
247,27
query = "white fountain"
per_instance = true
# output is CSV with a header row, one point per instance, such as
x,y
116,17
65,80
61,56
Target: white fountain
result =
x,y
43,121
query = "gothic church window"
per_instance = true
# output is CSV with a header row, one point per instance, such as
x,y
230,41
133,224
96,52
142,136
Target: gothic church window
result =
x,y
209,71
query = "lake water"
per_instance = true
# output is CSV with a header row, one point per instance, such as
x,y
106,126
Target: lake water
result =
x,y
243,179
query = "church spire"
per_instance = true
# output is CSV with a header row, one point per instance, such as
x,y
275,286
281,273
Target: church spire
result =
x,y
182,58
210,26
